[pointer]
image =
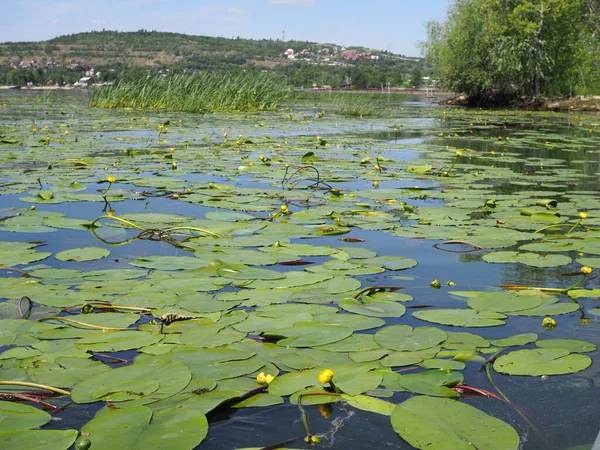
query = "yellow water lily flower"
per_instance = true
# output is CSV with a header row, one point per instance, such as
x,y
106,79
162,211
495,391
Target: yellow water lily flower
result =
x,y
583,215
284,209
111,179
586,270
459,153
325,376
261,378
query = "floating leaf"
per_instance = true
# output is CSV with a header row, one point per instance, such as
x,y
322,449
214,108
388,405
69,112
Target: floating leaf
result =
x,y
373,308
370,404
38,439
82,254
312,334
176,428
461,317
14,416
438,423
550,361
406,338
573,345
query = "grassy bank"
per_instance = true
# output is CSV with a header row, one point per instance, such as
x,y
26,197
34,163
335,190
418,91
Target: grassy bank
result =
x,y
198,92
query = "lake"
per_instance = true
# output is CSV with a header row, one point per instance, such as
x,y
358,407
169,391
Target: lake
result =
x,y
442,262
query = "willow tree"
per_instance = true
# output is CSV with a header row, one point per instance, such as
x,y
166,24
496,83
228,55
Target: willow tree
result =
x,y
495,50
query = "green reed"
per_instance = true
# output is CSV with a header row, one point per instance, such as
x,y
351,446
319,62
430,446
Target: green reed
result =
x,y
197,92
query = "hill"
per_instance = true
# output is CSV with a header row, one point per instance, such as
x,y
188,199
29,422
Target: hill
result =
x,y
66,58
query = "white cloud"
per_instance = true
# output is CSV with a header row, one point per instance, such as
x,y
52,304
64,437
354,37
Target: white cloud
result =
x,y
237,11
293,2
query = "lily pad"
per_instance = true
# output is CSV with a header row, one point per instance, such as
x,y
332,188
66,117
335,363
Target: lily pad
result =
x,y
15,416
541,361
138,427
461,317
82,254
373,308
38,439
438,424
406,338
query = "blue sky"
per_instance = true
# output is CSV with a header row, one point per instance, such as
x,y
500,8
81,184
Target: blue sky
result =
x,y
395,25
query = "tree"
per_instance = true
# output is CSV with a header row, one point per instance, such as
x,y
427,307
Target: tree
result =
x,y
495,50
416,77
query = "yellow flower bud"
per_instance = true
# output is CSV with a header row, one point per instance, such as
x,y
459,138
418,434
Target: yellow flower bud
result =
x,y
32,208
548,323
459,153
583,215
284,209
586,270
325,376
269,378
111,213
261,378
377,167
111,179
67,132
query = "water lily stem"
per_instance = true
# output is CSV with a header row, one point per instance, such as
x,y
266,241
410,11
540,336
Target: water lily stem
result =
x,y
107,189
35,385
573,286
83,324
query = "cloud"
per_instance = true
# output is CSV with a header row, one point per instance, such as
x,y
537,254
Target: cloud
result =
x,y
294,2
237,11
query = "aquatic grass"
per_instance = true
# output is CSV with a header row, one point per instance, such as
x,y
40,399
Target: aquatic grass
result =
x,y
197,92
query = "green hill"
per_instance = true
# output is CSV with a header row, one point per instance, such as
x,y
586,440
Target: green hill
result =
x,y
65,58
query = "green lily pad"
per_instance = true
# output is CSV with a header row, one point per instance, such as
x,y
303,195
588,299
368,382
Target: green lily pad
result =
x,y
504,301
439,423
461,317
165,377
573,345
540,361
514,341
176,427
373,308
312,335
370,404
15,416
38,439
82,254
405,338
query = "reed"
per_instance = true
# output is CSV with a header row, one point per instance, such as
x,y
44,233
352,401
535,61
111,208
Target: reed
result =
x,y
197,92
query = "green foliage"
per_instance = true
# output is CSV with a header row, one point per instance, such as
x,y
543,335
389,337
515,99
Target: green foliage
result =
x,y
496,50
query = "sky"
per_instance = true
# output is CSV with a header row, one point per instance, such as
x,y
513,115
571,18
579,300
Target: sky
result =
x,y
394,25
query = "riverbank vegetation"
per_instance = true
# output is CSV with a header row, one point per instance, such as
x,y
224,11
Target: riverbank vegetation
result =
x,y
498,51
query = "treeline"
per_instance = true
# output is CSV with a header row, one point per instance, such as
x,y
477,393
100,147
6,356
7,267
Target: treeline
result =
x,y
497,51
